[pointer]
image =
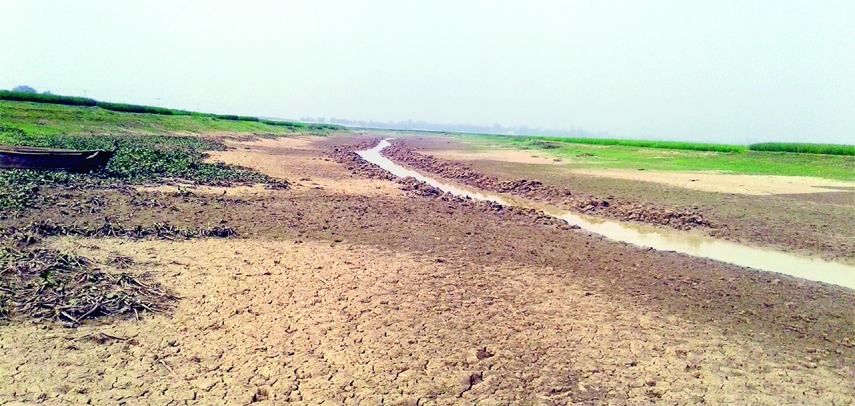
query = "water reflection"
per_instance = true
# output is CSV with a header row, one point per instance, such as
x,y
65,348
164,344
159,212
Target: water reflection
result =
x,y
757,258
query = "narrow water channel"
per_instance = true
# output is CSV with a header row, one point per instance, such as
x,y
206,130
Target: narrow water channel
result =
x,y
757,258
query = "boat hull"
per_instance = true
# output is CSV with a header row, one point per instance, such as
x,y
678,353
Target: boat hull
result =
x,y
53,159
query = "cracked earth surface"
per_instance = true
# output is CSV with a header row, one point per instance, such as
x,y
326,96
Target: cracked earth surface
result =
x,y
359,293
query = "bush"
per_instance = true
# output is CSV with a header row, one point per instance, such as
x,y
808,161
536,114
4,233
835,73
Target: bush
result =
x,y
82,101
234,117
46,98
284,124
134,108
827,149
324,127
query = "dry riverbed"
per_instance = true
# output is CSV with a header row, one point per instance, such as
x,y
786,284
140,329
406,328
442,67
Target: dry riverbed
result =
x,y
807,216
352,288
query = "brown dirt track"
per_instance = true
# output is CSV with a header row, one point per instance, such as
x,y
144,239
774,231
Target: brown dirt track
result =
x,y
349,290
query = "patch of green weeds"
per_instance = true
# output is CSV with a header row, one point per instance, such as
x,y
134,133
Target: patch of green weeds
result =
x,y
138,159
601,155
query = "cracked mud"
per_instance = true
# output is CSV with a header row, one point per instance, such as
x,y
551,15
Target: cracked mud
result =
x,y
352,288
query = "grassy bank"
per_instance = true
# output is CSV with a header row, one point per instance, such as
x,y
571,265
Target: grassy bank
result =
x,y
40,283
689,146
148,149
642,155
800,148
135,108
54,119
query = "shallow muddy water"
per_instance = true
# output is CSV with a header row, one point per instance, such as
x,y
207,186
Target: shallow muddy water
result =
x,y
757,258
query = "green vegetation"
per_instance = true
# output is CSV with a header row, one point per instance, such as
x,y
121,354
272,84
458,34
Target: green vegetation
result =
x,y
134,108
82,101
743,161
145,153
234,117
827,149
149,158
139,159
803,148
44,284
53,119
691,146
46,98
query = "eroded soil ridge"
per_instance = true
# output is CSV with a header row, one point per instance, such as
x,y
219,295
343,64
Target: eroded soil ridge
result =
x,y
347,156
678,218
358,166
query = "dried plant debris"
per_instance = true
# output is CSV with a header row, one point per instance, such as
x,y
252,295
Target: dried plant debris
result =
x,y
120,261
112,229
50,285
46,284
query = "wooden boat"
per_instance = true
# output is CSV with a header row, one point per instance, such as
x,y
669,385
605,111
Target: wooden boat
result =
x,y
53,159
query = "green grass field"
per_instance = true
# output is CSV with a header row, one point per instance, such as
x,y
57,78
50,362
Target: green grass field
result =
x,y
741,160
41,119
135,108
689,146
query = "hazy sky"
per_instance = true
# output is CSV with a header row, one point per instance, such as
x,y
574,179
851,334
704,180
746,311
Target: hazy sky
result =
x,y
724,71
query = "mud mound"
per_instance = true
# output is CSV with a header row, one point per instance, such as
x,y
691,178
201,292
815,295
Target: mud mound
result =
x,y
418,188
520,215
678,218
360,167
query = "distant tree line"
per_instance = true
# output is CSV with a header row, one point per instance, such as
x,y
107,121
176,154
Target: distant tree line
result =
x,y
26,89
